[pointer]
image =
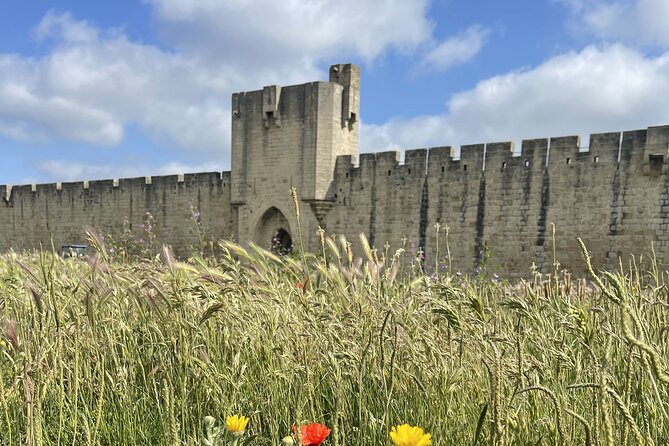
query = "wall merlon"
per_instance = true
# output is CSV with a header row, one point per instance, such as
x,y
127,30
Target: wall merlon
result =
x,y
605,144
565,144
440,159
471,157
388,160
202,178
635,136
632,146
26,190
69,187
100,185
367,161
565,150
534,150
499,151
657,135
657,146
137,183
416,160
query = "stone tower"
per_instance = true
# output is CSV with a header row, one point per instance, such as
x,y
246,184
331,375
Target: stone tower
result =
x,y
285,137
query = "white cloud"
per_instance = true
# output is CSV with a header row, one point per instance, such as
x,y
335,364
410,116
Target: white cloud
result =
x,y
91,85
456,50
267,32
598,89
27,116
633,21
63,26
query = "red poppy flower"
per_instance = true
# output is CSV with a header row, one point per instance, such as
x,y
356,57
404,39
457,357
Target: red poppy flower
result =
x,y
303,285
312,434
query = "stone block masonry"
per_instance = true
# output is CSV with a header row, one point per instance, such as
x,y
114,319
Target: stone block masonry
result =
x,y
501,207
43,215
510,210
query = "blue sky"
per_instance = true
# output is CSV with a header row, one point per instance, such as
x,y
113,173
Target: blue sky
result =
x,y
131,88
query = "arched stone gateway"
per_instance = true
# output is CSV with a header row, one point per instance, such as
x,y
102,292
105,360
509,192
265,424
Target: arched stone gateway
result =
x,y
273,232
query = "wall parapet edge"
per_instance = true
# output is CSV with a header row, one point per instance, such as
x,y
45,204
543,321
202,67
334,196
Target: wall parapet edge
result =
x,y
10,192
550,151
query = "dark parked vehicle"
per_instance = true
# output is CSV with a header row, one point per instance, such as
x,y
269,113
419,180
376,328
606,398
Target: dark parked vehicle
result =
x,y
67,251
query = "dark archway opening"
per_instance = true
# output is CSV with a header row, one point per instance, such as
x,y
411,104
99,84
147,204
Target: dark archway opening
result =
x,y
281,243
273,232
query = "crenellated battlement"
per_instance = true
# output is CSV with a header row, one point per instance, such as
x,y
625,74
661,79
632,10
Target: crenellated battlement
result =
x,y
11,193
555,153
613,193
55,214
506,207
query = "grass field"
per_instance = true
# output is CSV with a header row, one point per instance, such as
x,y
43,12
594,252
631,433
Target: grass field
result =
x,y
101,351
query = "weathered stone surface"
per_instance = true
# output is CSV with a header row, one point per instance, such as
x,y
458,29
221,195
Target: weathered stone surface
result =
x,y
507,210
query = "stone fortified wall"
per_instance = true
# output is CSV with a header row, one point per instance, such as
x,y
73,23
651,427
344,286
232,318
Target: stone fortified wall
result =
x,y
43,215
499,205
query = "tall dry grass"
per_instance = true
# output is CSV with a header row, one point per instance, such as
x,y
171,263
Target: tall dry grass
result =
x,y
107,352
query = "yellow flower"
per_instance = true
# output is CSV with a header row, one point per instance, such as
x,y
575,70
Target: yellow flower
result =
x,y
236,424
406,435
